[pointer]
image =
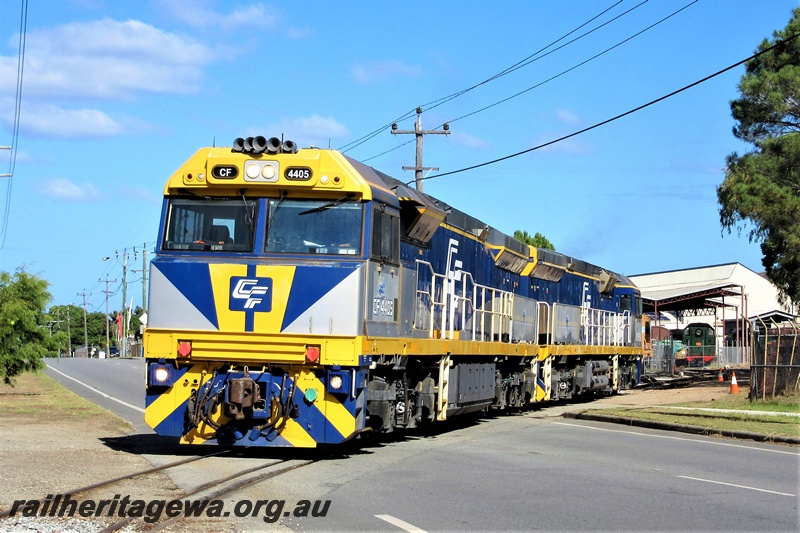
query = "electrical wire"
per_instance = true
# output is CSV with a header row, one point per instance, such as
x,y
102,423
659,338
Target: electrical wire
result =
x,y
552,78
23,30
617,117
535,56
524,62
582,63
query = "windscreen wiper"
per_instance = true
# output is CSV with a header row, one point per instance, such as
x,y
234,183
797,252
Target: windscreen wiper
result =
x,y
334,203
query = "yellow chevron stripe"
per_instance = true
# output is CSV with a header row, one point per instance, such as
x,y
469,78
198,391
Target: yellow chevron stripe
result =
x,y
297,435
170,400
339,416
202,433
336,413
221,282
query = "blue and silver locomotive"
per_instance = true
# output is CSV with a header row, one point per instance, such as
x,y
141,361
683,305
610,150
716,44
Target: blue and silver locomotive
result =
x,y
299,297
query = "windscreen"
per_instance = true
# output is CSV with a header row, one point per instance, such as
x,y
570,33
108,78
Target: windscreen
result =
x,y
210,224
314,226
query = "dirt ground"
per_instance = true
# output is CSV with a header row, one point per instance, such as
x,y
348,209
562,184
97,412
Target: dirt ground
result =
x,y
654,397
72,449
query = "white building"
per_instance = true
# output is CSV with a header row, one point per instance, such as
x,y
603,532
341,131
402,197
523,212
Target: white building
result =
x,y
724,296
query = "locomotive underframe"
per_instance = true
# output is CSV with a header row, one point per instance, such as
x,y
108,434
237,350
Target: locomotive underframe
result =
x,y
406,392
255,403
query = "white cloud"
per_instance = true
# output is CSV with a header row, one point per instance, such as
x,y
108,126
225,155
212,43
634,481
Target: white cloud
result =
x,y
565,116
52,121
470,141
571,146
313,129
382,71
199,14
105,59
64,190
141,194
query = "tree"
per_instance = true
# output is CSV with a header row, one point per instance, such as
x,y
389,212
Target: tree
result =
x,y
23,335
761,189
538,240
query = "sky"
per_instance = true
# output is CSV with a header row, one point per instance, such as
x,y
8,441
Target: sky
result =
x,y
116,95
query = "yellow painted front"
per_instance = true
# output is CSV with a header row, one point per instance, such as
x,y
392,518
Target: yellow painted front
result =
x,y
196,173
282,278
336,413
176,395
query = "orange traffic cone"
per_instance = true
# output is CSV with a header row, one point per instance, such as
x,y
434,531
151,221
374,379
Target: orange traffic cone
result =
x,y
721,378
734,385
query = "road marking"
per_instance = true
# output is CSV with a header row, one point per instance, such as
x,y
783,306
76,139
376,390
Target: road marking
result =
x,y
101,393
715,443
737,486
400,523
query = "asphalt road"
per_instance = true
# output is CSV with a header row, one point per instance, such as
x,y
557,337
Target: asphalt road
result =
x,y
534,470
115,384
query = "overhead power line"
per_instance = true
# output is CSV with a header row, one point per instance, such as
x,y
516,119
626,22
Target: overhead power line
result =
x,y
524,62
563,72
535,56
23,30
617,117
584,62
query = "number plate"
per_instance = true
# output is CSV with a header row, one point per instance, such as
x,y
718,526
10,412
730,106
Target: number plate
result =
x,y
297,173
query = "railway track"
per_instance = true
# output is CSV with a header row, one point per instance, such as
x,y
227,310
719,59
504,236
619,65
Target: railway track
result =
x,y
217,488
693,377
242,479
113,481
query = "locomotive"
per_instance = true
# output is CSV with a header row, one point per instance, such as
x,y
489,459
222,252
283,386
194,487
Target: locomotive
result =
x,y
299,297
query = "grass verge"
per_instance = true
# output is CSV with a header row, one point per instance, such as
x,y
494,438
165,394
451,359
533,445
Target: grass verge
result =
x,y
38,396
712,415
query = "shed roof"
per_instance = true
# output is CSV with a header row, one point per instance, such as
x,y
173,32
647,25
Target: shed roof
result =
x,y
691,289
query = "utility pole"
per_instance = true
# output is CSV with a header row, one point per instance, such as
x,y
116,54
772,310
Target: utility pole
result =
x,y
56,321
144,275
107,292
144,278
419,132
69,332
85,334
124,340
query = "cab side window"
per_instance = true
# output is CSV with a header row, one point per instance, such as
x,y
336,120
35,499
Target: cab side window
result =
x,y
385,236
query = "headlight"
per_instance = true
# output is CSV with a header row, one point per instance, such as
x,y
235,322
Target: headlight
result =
x,y
161,375
339,381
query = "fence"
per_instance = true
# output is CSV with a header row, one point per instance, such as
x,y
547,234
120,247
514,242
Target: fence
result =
x,y
775,368
663,359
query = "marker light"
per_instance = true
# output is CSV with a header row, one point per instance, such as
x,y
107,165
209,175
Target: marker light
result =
x,y
312,354
311,395
184,348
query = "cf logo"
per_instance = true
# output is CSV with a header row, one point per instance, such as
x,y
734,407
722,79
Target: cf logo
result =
x,y
251,294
